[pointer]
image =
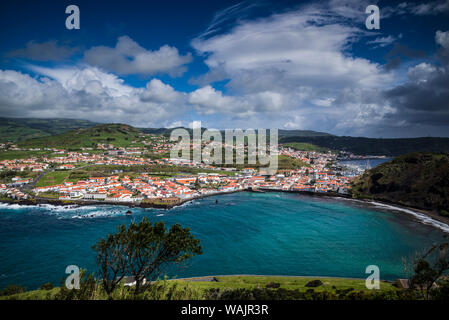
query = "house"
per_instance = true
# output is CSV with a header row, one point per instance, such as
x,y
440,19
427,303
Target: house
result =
x,y
130,281
95,196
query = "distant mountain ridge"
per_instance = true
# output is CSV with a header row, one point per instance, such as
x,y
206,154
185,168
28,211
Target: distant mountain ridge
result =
x,y
119,135
19,129
27,129
374,146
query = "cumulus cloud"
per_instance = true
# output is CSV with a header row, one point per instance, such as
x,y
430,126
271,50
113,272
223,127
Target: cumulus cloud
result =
x,y
87,93
207,100
290,67
423,100
44,51
128,57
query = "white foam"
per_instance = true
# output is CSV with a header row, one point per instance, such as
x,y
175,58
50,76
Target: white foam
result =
x,y
423,218
98,214
420,216
13,206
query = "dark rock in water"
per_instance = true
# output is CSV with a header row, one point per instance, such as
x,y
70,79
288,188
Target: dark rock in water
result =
x,y
129,212
314,283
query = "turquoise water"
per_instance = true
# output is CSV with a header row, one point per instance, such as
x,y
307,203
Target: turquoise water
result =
x,y
245,233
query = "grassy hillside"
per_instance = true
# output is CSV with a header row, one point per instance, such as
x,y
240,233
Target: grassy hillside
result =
x,y
419,180
119,135
200,288
281,133
19,129
303,146
372,146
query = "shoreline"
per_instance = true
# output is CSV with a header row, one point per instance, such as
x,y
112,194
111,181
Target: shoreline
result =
x,y
420,215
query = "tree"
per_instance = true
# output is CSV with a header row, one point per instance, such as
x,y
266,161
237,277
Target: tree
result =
x,y
111,259
142,250
430,268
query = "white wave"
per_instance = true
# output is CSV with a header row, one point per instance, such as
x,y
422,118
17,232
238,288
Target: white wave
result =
x,y
13,206
98,214
423,218
420,216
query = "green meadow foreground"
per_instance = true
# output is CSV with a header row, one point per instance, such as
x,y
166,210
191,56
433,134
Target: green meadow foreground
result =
x,y
235,287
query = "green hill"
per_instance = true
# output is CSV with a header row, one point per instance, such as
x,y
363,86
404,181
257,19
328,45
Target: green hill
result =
x,y
119,135
419,180
19,129
303,146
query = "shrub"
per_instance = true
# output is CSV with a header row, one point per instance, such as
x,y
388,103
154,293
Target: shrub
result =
x,y
12,289
47,286
444,213
273,285
314,283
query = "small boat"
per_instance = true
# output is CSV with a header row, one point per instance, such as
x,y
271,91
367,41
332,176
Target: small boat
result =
x,y
129,212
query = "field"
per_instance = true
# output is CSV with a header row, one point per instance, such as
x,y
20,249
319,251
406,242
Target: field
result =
x,y
195,288
52,178
11,155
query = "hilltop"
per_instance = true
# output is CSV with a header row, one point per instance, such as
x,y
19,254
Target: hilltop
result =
x,y
59,132
20,129
419,180
119,135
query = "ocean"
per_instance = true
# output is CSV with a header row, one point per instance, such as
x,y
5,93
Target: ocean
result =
x,y
244,233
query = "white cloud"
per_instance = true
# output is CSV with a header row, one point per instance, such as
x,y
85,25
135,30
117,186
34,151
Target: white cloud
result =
x,y
88,93
157,91
128,57
421,72
442,38
283,69
382,41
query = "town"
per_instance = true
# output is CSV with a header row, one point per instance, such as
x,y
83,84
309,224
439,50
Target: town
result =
x,y
320,173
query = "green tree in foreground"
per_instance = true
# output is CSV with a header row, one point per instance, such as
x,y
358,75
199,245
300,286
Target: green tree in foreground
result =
x,y
142,250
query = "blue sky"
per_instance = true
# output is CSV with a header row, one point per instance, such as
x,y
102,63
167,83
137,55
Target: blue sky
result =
x,y
253,64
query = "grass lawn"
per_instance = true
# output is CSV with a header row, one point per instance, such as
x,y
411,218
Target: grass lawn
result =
x,y
197,288
52,178
285,282
11,155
